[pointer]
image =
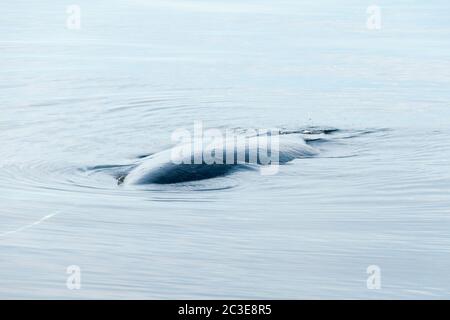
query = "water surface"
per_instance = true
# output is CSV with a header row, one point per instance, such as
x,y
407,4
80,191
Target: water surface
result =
x,y
75,102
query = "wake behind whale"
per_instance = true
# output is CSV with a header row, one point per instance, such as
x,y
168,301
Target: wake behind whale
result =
x,y
219,157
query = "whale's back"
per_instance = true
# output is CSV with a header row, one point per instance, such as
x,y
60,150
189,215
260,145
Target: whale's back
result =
x,y
170,167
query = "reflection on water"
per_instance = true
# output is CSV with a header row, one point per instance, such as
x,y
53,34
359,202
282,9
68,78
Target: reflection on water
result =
x,y
80,108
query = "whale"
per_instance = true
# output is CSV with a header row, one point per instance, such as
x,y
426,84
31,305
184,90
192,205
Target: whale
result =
x,y
186,162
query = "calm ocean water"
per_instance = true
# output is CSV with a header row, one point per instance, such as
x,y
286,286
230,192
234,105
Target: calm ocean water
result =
x,y
76,104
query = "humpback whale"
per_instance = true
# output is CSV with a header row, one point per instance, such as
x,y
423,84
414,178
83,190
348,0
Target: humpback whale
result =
x,y
189,162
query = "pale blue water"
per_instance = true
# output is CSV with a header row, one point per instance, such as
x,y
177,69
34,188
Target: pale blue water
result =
x,y
377,194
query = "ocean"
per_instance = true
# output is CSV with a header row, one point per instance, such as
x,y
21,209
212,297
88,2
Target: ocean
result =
x,y
87,89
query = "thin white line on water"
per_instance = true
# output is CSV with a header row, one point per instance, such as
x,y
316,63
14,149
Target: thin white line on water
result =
x,y
30,225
